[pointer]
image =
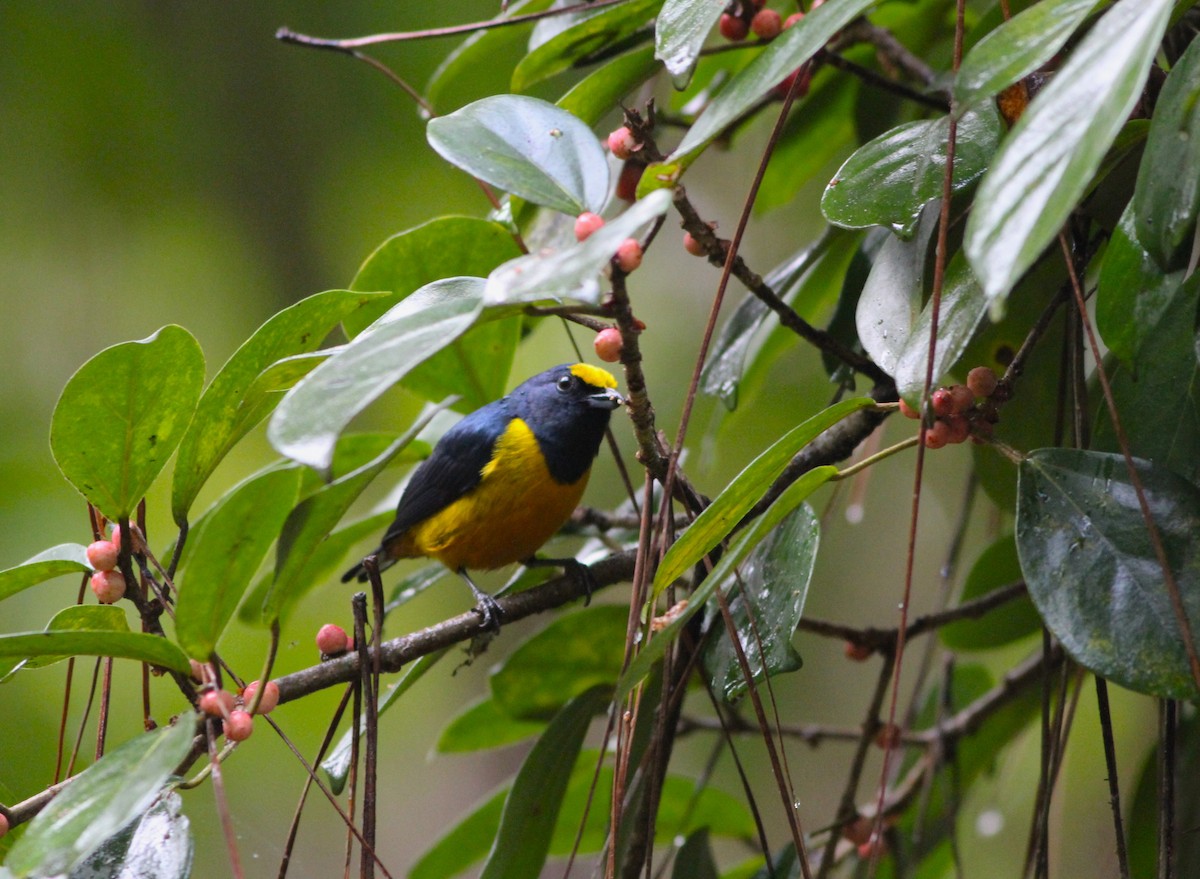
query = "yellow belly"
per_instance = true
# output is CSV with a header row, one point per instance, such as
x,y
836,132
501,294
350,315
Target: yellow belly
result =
x,y
516,508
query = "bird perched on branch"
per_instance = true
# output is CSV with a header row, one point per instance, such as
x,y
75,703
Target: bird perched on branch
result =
x,y
503,480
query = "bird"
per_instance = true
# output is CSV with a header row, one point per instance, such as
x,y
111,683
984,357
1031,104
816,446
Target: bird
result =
x,y
503,480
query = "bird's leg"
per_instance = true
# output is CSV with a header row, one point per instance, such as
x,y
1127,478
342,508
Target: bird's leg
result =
x,y
485,606
573,568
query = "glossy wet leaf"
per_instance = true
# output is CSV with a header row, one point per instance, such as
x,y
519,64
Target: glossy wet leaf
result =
x,y
889,180
576,652
306,425
99,801
776,60
66,558
532,805
485,724
595,95
238,398
588,33
996,567
1016,48
528,148
766,605
224,555
1045,164
1167,197
156,845
1093,574
572,272
122,414
1132,294
679,34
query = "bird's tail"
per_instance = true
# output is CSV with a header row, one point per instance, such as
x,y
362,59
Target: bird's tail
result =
x,y
359,572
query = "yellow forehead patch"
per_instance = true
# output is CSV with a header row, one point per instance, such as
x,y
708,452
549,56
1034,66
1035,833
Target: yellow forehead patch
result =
x,y
593,375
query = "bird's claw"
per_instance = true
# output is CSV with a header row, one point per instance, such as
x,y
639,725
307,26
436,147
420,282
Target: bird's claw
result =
x,y
490,612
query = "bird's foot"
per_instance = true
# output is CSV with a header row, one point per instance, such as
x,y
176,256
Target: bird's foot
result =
x,y
489,611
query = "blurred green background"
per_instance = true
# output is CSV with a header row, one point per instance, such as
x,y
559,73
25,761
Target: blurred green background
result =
x,y
173,163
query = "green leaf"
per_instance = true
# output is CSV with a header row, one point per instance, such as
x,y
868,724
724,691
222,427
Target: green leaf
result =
x,y
526,147
695,858
1167,196
768,605
889,180
485,724
122,414
1133,293
66,558
156,845
576,652
95,804
1092,571
81,618
240,395
679,35
594,96
784,54
225,554
571,272
727,509
1048,160
475,366
592,32
463,844
792,497
1017,47
996,567
308,422
88,630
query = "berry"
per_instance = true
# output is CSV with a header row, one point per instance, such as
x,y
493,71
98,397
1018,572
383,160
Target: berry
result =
x,y
3,824
270,696
691,245
766,24
857,652
102,555
792,19
332,640
982,381
587,223
958,429
627,181
217,703
887,736
961,398
942,402
871,846
938,435
608,345
238,725
629,255
116,536
621,143
732,28
109,586
785,85
908,411
858,831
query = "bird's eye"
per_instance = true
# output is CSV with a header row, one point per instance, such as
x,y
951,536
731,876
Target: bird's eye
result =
x,y
564,383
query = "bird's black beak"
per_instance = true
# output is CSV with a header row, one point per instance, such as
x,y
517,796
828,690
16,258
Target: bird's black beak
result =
x,y
608,399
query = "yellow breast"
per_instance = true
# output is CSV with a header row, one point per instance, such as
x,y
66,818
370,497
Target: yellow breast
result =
x,y
516,508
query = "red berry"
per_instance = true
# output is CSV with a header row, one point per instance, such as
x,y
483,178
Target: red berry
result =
x,y
792,19
332,640
887,736
908,411
982,381
766,24
238,725
627,181
961,398
608,345
958,429
785,85
109,586
732,28
3,824
942,401
691,245
116,536
587,223
858,831
270,696
870,846
621,143
857,652
102,555
937,435
629,255
217,703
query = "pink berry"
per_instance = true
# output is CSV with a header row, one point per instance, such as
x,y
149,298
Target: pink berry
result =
x,y
109,586
908,411
116,536
238,725
691,245
942,401
732,28
938,435
857,652
766,24
3,824
270,696
792,19
961,399
621,143
332,640
587,223
102,555
982,381
629,255
217,703
608,345
958,429
627,181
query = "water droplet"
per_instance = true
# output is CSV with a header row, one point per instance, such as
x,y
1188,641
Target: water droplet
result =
x,y
989,822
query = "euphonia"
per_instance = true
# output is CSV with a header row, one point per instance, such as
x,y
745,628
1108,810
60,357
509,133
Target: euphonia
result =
x,y
503,480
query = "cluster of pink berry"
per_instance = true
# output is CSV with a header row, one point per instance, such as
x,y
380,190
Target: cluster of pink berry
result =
x,y
107,583
744,17
629,252
957,415
233,711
